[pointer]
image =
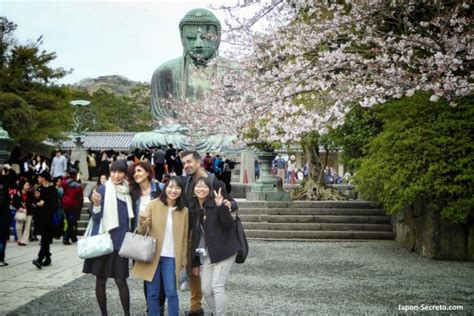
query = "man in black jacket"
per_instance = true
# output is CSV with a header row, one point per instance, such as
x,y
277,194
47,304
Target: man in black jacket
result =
x,y
47,203
170,158
192,166
159,159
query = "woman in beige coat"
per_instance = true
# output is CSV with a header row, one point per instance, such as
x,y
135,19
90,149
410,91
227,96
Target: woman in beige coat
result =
x,y
167,220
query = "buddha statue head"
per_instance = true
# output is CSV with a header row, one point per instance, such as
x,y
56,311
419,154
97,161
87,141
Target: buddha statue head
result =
x,y
200,35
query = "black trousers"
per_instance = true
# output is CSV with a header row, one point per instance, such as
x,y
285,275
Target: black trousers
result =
x,y
3,245
46,239
159,171
71,232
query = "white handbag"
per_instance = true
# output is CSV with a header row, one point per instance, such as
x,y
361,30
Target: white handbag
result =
x,y
138,247
94,246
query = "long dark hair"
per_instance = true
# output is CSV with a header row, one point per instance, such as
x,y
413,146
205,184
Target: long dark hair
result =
x,y
180,202
135,190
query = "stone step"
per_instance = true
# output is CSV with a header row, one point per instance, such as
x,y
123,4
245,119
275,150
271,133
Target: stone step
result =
x,y
315,219
245,204
312,211
317,227
302,234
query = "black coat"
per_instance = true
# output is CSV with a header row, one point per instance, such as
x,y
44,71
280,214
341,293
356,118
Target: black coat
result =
x,y
4,208
219,232
195,214
49,195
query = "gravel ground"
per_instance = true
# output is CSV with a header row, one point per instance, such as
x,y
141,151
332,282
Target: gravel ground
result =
x,y
303,278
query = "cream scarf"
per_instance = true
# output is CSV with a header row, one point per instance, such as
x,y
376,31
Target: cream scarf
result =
x,y
112,193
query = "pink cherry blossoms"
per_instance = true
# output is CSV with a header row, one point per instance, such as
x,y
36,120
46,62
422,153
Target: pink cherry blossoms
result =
x,y
300,66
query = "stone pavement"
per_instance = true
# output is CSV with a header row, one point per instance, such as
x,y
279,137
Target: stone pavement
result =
x,y
21,282
279,278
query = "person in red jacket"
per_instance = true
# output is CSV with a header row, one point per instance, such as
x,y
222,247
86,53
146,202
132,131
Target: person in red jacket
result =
x,y
72,202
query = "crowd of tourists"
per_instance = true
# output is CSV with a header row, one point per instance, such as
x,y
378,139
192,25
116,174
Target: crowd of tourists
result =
x,y
177,198
287,170
289,173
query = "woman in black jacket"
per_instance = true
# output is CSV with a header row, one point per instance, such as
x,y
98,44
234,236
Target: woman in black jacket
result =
x,y
217,243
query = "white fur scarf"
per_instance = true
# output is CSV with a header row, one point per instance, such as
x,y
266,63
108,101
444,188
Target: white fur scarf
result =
x,y
112,193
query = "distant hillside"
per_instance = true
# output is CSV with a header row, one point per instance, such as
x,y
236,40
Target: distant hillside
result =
x,y
113,84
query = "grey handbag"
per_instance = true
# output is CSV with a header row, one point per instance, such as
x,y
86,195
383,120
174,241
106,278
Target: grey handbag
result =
x,y
138,247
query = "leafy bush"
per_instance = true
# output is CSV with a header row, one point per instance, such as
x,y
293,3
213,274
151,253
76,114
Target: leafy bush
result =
x,y
425,149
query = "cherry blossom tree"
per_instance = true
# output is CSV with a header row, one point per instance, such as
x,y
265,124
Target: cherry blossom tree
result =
x,y
300,66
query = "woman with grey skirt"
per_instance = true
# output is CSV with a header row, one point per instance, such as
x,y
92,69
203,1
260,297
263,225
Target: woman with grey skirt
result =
x,y
112,206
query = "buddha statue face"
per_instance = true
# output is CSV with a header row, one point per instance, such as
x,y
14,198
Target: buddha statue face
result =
x,y
200,42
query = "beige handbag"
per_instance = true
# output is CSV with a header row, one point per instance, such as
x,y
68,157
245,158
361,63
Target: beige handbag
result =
x,y
138,247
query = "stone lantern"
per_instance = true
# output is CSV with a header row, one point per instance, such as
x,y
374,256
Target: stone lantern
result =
x,y
5,141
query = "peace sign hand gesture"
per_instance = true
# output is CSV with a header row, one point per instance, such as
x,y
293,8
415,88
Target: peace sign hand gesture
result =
x,y
219,198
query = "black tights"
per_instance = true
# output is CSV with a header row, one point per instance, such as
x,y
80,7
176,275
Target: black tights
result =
x,y
101,296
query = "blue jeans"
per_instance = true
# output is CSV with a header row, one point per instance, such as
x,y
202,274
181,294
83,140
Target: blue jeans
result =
x,y
166,268
13,222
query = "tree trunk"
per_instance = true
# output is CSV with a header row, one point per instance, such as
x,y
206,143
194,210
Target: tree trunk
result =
x,y
314,188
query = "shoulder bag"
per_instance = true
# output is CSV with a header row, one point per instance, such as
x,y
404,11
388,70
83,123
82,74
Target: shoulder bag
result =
x,y
20,216
242,239
94,246
138,247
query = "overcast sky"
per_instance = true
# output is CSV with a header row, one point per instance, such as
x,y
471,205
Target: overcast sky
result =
x,y
104,37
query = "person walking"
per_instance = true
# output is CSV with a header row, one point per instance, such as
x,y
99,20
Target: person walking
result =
x,y
215,243
159,159
113,208
280,164
170,158
178,164
104,166
167,220
58,165
47,203
91,164
72,203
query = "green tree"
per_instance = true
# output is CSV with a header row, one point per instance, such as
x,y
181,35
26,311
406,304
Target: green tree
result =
x,y
353,137
113,112
425,149
33,107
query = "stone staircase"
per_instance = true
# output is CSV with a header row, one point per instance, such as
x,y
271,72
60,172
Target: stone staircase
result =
x,y
314,220
306,220
83,220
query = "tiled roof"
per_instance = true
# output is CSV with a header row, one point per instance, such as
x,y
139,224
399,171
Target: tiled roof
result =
x,y
119,141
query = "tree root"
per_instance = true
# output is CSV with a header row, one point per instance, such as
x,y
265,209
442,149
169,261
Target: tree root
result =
x,y
313,191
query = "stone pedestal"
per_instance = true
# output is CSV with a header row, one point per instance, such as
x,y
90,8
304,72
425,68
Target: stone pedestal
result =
x,y
79,153
268,187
